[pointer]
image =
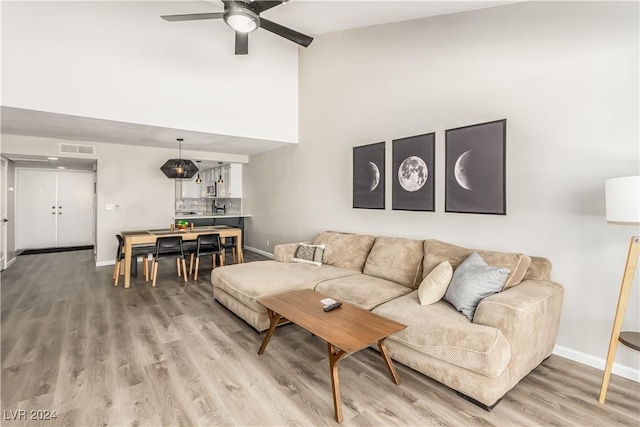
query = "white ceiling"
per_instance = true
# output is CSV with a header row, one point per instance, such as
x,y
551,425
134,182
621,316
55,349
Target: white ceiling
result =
x,y
315,17
307,16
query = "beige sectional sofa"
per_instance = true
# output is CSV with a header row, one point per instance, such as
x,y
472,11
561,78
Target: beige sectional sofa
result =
x,y
510,334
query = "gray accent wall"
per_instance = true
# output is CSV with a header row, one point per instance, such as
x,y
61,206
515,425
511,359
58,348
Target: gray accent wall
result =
x,y
563,74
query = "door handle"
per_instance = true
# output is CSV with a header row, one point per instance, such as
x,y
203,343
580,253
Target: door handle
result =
x,y
5,220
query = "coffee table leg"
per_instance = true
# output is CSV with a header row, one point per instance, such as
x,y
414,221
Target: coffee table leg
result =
x,y
334,357
274,318
388,362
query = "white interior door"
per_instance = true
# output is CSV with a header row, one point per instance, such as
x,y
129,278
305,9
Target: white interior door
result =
x,y
3,214
35,209
75,208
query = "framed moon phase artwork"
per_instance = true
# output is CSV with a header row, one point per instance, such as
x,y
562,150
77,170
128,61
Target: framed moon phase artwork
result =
x,y
475,168
368,176
413,173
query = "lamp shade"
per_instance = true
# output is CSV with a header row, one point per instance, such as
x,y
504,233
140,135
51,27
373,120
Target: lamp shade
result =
x,y
623,199
179,168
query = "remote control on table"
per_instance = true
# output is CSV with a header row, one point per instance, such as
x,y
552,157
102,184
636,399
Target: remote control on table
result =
x,y
332,306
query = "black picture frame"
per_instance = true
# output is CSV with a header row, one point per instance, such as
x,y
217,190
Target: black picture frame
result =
x,y
413,173
369,176
475,176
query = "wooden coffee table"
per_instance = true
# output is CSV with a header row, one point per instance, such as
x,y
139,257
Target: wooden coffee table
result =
x,y
345,330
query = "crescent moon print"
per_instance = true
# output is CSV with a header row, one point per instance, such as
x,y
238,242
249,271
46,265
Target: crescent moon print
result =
x,y
461,170
475,171
369,176
375,176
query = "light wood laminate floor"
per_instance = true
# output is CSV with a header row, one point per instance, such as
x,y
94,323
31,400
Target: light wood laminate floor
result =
x,y
102,356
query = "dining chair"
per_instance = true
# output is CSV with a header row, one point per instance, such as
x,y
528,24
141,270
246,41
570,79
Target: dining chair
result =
x,y
169,247
230,243
206,244
136,251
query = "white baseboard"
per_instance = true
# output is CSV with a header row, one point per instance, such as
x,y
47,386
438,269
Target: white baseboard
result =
x,y
11,261
596,362
104,263
258,251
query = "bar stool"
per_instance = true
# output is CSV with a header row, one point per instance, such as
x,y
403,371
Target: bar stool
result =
x,y
169,247
207,244
136,251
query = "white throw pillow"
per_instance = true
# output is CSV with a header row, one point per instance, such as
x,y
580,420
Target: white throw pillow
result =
x,y
309,254
434,286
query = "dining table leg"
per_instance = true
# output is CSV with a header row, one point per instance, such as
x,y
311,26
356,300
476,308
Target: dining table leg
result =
x,y
239,249
127,262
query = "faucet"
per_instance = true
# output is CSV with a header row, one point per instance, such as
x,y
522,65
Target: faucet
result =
x,y
216,207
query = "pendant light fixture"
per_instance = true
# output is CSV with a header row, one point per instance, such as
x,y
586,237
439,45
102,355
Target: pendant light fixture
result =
x,y
179,168
198,180
220,180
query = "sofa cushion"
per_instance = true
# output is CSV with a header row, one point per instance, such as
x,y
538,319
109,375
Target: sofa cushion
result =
x,y
345,250
540,269
439,331
362,290
396,259
249,281
435,285
436,251
473,281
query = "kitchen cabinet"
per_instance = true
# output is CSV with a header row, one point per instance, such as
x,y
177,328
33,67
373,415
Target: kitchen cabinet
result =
x,y
235,180
230,176
188,189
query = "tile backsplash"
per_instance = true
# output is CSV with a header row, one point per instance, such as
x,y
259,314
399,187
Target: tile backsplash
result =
x,y
205,206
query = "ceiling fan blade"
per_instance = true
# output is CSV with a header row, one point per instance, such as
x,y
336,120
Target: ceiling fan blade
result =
x,y
260,6
192,17
285,32
242,43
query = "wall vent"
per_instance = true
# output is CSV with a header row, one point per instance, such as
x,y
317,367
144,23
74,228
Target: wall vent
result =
x,y
77,149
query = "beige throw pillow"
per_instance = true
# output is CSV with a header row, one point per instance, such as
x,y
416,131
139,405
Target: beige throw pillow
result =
x,y
434,286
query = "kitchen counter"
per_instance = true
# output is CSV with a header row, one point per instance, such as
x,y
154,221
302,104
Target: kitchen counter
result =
x,y
225,215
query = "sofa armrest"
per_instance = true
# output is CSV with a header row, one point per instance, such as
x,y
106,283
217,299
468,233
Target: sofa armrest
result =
x,y
528,315
284,252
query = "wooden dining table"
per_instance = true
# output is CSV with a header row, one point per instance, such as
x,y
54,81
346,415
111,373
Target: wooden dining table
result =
x,y
139,237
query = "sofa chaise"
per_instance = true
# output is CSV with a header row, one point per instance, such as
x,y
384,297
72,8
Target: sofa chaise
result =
x,y
511,332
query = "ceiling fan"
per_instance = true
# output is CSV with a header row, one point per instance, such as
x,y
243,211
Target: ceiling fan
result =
x,y
244,16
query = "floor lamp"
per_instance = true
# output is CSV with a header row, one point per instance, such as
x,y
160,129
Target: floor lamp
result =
x,y
623,206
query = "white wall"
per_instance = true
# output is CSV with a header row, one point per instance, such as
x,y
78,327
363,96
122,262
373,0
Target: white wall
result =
x,y
120,61
563,74
127,176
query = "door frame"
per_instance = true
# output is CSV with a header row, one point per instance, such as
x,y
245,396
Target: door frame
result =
x,y
4,168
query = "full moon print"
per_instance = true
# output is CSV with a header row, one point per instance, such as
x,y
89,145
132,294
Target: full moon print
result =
x,y
413,173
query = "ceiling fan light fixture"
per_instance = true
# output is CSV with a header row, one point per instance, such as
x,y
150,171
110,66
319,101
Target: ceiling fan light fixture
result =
x,y
241,19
